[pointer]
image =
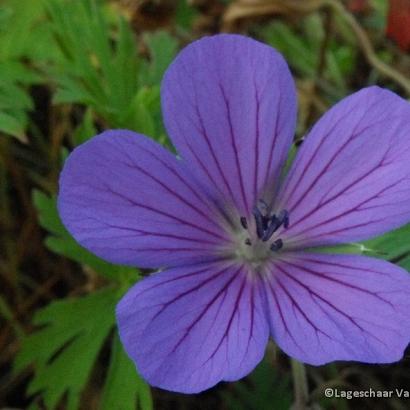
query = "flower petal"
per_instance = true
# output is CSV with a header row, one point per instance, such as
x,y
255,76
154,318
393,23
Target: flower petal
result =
x,y
129,201
188,328
229,105
351,178
339,307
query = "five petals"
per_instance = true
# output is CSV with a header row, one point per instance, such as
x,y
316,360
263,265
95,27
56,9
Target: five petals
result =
x,y
229,106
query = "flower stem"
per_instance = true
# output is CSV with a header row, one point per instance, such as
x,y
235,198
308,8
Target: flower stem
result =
x,y
300,385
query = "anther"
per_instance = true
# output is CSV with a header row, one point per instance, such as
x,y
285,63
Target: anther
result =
x,y
265,222
284,218
259,221
244,222
264,211
278,244
274,225
263,206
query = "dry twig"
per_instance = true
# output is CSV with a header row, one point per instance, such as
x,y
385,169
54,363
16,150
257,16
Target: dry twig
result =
x,y
256,8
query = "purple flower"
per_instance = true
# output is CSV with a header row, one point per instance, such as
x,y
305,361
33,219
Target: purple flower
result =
x,y
232,236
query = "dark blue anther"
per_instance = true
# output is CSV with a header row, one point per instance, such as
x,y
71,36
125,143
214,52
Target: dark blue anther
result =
x,y
259,221
278,244
267,224
274,225
284,218
263,206
264,211
244,222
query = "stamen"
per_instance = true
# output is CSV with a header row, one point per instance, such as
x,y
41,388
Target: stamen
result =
x,y
244,222
278,244
265,222
259,221
263,206
284,218
274,225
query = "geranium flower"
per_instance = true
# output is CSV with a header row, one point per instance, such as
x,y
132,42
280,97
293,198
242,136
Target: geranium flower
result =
x,y
233,240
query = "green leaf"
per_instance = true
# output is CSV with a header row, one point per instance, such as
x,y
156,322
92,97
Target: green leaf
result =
x,y
73,331
13,71
15,101
299,53
61,242
106,73
393,246
13,96
17,28
102,73
124,389
139,114
7,313
85,130
345,248
185,14
12,126
301,45
33,406
47,212
266,390
162,48
405,262
65,349
70,92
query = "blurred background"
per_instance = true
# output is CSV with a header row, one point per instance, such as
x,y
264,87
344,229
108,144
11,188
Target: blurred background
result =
x,y
69,69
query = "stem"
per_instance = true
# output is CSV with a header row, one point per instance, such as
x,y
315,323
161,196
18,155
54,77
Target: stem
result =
x,y
327,23
246,8
367,46
300,386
